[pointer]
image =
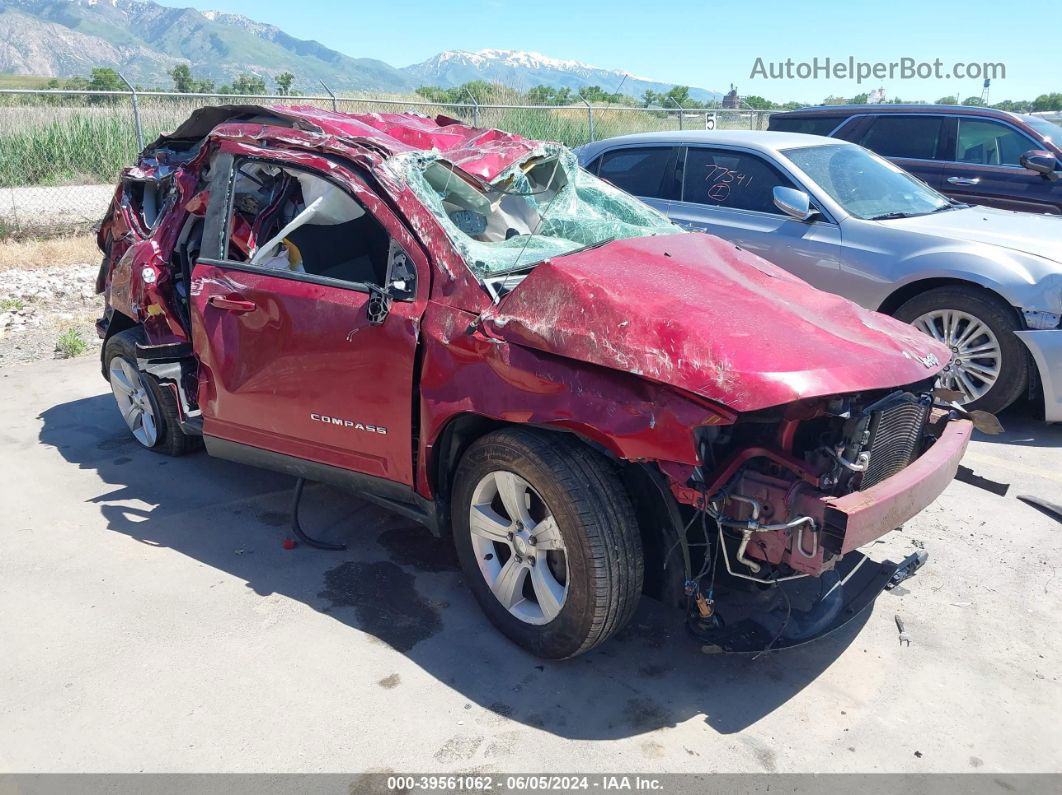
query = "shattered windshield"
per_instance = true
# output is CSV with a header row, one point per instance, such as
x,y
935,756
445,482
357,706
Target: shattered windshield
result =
x,y
541,207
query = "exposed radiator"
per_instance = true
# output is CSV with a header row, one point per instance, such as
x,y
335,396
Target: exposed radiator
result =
x,y
897,424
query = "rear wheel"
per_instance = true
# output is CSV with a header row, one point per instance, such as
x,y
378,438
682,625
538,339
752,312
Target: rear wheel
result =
x,y
547,539
989,365
149,411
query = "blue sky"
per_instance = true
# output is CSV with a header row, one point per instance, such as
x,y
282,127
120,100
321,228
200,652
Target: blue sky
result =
x,y
701,42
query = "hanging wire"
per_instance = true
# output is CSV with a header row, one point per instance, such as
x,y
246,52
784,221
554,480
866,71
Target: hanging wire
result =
x,y
788,614
542,215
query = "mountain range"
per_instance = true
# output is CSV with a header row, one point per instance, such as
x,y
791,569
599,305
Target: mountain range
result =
x,y
524,70
144,40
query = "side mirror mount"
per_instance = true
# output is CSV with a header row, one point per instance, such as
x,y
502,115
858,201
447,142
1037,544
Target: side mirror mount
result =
x,y
794,203
378,307
1042,162
401,274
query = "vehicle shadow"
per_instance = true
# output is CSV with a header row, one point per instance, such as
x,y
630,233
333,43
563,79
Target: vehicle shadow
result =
x,y
401,585
1023,426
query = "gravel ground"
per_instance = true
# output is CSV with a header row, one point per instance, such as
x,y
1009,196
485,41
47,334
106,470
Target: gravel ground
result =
x,y
37,306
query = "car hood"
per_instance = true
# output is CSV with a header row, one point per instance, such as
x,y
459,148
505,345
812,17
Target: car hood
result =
x,y
1028,233
698,313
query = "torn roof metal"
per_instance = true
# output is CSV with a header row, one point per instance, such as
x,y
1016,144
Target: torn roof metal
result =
x,y
483,152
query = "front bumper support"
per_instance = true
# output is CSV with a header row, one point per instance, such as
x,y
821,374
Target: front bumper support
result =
x,y
862,516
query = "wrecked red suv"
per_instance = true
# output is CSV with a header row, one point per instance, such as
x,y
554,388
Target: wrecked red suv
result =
x,y
465,327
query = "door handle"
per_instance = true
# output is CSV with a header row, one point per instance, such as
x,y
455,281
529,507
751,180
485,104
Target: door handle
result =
x,y
232,303
964,180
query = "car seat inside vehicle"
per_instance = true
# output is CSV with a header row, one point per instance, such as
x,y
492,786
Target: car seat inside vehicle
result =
x,y
503,212
293,220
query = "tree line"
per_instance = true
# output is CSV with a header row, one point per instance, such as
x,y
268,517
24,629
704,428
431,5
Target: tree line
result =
x,y
485,93
184,82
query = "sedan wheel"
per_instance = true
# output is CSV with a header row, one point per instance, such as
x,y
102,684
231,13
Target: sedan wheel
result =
x,y
976,353
518,547
989,365
133,400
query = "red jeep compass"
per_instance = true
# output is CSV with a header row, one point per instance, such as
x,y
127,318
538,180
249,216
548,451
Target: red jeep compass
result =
x,y
462,325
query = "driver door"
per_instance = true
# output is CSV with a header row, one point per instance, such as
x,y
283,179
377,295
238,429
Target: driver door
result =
x,y
292,360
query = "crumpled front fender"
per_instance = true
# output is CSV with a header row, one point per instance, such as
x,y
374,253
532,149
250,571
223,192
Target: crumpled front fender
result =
x,y
466,372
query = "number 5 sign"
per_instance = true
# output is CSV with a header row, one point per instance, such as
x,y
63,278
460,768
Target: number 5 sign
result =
x,y
709,121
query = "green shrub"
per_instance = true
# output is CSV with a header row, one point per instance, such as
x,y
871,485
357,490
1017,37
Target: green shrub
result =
x,y
70,344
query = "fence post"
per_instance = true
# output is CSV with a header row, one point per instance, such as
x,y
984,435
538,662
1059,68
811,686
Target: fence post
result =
x,y
136,115
675,102
475,109
333,96
589,118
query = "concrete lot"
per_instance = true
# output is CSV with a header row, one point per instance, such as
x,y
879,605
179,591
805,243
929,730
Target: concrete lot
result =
x,y
151,621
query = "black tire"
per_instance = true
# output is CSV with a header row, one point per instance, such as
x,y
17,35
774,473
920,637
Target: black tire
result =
x,y
1000,318
596,519
171,440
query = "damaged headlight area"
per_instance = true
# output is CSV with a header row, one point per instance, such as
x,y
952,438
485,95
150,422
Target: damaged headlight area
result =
x,y
786,494
542,206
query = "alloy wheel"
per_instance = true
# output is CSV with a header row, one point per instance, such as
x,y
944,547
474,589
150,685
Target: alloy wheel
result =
x,y
518,547
976,354
134,403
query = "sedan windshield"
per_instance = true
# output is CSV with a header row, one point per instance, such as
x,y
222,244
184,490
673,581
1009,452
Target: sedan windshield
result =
x,y
543,206
865,185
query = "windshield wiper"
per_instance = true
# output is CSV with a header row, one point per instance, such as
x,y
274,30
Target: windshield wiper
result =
x,y
587,247
890,216
536,263
502,277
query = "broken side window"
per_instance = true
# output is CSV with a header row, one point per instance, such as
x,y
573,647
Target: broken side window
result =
x,y
289,219
148,197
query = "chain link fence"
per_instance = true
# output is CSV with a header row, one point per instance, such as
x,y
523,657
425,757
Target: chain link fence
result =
x,y
61,151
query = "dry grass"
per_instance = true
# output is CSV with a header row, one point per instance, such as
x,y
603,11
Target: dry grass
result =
x,y
34,254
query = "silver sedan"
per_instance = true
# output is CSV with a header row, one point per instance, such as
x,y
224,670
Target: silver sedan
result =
x,y
986,282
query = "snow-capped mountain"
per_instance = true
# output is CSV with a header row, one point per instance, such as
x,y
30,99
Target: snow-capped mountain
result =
x,y
523,70
63,38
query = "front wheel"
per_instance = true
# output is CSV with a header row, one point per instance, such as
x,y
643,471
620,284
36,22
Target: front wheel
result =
x,y
989,365
547,539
